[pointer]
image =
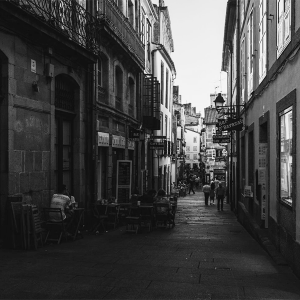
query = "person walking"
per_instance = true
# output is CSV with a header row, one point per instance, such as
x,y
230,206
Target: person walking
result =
x,y
206,191
191,184
220,192
212,196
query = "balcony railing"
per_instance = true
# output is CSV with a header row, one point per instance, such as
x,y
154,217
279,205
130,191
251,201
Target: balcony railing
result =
x,y
67,16
120,25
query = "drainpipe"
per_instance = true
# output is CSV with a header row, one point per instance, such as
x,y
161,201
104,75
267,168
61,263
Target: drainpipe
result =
x,y
238,93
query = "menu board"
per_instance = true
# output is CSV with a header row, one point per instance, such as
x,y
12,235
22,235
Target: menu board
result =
x,y
123,195
124,174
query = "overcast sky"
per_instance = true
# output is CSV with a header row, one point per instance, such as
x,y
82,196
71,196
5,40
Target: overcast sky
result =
x,y
198,30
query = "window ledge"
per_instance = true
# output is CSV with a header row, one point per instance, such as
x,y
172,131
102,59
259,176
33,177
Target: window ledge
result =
x,y
286,202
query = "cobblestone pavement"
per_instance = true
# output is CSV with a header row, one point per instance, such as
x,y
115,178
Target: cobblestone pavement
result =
x,y
207,255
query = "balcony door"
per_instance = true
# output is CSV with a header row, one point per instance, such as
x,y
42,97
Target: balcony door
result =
x,y
64,131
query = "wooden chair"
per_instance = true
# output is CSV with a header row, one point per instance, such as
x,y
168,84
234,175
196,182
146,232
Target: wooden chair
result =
x,y
123,212
37,231
146,216
55,230
133,221
112,212
18,224
163,215
100,217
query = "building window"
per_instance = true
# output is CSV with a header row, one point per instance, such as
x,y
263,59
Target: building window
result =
x,y
131,12
103,121
148,37
100,72
131,95
250,53
195,140
286,158
166,125
242,8
167,87
283,24
187,156
119,88
188,148
195,156
243,70
162,76
194,148
142,33
262,39
161,124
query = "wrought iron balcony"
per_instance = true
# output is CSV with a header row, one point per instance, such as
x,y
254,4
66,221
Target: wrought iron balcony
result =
x,y
67,16
110,15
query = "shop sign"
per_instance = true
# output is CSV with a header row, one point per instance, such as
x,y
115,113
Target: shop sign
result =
x,y
118,141
248,191
134,133
231,124
156,145
130,145
103,139
221,139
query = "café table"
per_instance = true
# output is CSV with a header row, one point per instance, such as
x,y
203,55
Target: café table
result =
x,y
77,222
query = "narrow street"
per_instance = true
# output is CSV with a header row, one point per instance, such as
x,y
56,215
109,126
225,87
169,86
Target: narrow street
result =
x,y
207,255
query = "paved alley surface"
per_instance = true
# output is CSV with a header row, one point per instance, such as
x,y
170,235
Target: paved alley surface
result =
x,y
207,255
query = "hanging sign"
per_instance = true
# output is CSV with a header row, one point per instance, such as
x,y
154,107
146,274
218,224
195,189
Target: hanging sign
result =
x,y
130,145
221,138
231,124
156,145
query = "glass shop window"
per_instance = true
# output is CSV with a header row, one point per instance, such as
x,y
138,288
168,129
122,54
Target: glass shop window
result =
x,y
286,157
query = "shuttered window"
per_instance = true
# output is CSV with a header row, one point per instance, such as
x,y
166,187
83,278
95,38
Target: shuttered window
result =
x,y
283,25
262,39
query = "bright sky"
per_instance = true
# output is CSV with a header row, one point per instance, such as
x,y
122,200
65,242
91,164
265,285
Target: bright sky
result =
x,y
198,29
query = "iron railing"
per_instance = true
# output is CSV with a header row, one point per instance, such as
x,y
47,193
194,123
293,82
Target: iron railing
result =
x,y
67,16
112,16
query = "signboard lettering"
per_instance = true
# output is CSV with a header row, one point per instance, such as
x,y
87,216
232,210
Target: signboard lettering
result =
x,y
221,138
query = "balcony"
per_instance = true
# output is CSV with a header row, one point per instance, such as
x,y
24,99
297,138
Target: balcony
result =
x,y
67,17
110,15
151,103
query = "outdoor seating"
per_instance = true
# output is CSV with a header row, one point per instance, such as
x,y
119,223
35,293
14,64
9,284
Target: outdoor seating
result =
x,y
18,225
37,230
146,216
100,217
123,212
112,212
55,230
133,221
163,215
76,223
26,225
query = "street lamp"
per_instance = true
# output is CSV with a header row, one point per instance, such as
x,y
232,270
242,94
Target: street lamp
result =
x,y
229,124
226,110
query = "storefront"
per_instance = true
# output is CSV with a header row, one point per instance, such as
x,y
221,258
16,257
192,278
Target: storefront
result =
x,y
102,164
